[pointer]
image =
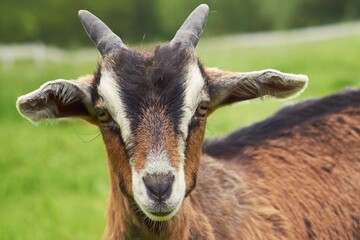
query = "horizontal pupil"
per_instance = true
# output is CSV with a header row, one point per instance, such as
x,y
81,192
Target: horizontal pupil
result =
x,y
100,112
203,107
202,110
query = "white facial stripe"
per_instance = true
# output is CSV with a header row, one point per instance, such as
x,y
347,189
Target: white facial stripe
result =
x,y
109,90
194,85
193,94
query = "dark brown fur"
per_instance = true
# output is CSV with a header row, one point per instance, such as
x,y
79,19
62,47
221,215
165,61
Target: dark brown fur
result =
x,y
296,182
304,179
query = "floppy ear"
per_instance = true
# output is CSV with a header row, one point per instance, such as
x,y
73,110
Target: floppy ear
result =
x,y
58,99
229,87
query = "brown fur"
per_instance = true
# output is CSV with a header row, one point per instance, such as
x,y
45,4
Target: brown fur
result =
x,y
302,184
192,156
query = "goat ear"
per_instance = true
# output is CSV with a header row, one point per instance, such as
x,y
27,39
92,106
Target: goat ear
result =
x,y
229,87
58,99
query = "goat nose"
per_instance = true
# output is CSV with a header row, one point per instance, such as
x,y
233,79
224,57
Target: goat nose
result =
x,y
159,187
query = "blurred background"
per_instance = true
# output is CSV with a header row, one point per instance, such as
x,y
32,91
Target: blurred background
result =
x,y
53,177
55,22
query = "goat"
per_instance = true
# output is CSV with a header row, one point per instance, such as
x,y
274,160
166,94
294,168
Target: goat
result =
x,y
295,175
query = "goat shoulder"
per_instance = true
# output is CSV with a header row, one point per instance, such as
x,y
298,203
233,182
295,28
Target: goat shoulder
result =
x,y
299,180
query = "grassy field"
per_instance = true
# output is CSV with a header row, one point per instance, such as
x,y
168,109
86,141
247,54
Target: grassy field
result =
x,y
53,177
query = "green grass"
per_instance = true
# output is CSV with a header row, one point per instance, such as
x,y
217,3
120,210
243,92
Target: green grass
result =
x,y
53,177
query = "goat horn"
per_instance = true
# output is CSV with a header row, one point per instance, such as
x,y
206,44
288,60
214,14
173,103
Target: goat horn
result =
x,y
191,29
101,35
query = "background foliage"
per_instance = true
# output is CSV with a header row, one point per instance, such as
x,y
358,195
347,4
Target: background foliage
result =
x,y
144,20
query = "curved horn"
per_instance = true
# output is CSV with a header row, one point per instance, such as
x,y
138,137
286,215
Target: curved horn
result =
x,y
101,35
191,29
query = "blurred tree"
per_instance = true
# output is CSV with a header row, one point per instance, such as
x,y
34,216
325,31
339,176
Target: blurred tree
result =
x,y
237,16
276,13
315,12
56,22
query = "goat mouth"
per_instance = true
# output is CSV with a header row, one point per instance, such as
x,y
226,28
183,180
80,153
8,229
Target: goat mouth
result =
x,y
161,214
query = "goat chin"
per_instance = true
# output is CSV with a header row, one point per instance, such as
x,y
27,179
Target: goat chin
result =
x,y
164,212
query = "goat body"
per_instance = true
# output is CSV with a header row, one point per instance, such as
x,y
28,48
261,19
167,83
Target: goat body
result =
x,y
295,175
299,170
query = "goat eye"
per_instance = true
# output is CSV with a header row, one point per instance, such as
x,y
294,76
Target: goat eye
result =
x,y
202,109
102,115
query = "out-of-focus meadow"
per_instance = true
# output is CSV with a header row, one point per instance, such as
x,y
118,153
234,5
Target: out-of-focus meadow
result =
x,y
53,177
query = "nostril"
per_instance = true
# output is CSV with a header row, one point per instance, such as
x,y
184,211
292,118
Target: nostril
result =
x,y
159,187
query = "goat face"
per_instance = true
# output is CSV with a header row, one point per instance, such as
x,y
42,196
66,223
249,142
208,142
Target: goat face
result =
x,y
155,104
151,109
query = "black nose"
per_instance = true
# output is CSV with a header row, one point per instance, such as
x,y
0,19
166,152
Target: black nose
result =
x,y
159,186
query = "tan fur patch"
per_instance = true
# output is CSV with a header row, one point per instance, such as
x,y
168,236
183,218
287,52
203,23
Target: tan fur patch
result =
x,y
193,156
118,161
155,133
